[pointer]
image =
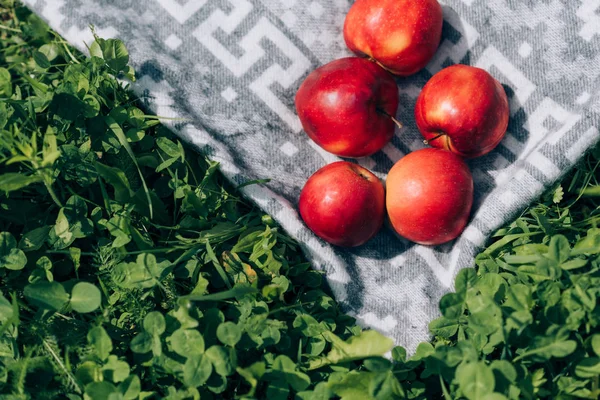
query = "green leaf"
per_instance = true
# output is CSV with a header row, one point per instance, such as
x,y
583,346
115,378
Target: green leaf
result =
x,y
156,346
66,106
114,53
187,342
505,241
285,369
475,380
141,343
13,181
595,343
115,370
71,224
353,386
384,385
166,164
592,191
424,350
182,315
574,264
489,284
142,274
5,83
452,305
45,264
584,297
377,364
588,368
238,291
130,387
559,249
34,239
522,259
75,256
88,372
119,226
137,118
116,129
117,179
309,326
168,147
135,135
539,272
247,240
91,106
229,333
196,370
494,396
252,374
6,309
154,323
367,344
50,50
10,256
100,341
465,278
102,391
216,383
3,121
278,390
47,295
505,374
96,50
590,244
221,360
519,298
41,59
85,297
545,348
399,354
444,327
315,346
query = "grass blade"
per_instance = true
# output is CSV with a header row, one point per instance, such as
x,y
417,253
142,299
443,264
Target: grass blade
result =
x,y
116,129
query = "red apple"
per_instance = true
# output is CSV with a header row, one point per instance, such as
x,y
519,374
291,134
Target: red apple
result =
x,y
401,35
343,203
429,196
347,106
463,109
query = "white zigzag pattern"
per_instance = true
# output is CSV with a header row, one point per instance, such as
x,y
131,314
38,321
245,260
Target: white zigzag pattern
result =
x,y
182,13
253,52
587,12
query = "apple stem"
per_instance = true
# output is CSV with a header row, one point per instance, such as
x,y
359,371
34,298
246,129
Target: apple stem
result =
x,y
436,137
377,62
398,123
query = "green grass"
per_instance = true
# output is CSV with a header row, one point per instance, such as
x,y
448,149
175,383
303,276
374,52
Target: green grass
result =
x,y
131,270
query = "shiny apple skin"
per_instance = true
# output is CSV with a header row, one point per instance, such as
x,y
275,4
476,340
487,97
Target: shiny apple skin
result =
x,y
402,35
429,196
343,105
467,106
343,203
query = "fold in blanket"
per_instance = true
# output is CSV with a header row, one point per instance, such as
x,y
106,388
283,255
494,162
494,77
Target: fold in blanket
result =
x,y
232,67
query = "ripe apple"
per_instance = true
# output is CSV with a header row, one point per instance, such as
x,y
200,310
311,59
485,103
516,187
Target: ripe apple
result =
x,y
343,203
429,196
347,106
463,109
401,35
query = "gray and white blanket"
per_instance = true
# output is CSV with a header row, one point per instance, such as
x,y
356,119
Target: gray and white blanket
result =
x,y
232,67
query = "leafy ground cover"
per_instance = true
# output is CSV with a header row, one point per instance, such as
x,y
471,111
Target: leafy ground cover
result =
x,y
130,270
